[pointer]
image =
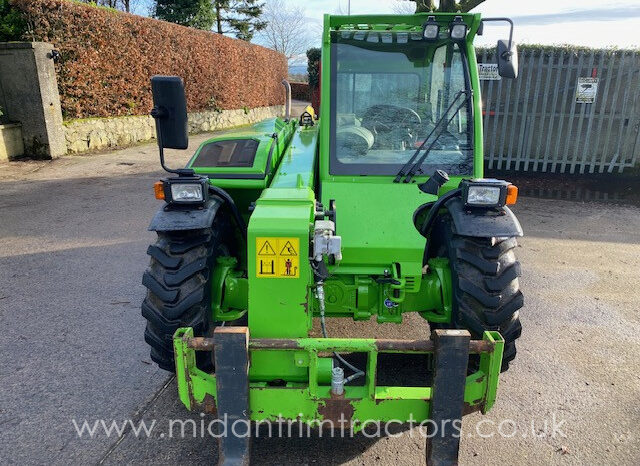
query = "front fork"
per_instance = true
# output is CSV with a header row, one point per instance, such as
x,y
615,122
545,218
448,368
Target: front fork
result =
x,y
232,395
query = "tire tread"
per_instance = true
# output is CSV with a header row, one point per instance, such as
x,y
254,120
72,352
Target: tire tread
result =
x,y
485,276
178,291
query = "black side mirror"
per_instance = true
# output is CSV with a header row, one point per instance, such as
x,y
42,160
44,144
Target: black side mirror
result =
x,y
170,112
507,58
507,51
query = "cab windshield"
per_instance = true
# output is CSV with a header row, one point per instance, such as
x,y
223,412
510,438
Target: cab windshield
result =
x,y
388,91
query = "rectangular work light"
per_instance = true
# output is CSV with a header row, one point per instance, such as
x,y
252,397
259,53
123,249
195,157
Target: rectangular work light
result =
x,y
458,29
186,192
183,190
431,29
488,192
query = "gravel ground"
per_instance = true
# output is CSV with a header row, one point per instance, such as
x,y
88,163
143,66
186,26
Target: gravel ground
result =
x,y
72,252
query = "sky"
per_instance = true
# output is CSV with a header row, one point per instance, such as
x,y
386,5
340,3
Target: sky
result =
x,y
592,23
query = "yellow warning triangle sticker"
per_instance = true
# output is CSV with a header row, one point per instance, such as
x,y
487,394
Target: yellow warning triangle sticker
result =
x,y
267,250
288,250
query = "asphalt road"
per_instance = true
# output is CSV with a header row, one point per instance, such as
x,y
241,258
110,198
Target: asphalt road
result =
x,y
72,252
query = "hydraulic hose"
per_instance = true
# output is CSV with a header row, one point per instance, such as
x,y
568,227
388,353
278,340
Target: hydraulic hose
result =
x,y
234,209
428,222
320,292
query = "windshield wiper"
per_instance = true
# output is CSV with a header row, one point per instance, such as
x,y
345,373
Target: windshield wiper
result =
x,y
410,163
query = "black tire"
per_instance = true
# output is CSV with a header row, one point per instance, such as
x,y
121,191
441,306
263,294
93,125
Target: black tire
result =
x,y
486,289
178,282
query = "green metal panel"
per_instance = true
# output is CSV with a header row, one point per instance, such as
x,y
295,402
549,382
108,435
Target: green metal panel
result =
x,y
297,166
279,306
478,141
491,366
267,158
375,221
311,400
276,304
374,235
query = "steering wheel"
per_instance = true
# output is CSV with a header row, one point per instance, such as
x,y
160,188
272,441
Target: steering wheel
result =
x,y
383,118
392,126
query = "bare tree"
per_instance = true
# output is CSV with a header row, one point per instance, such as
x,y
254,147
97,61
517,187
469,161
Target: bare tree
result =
x,y
422,6
462,6
288,31
403,7
124,5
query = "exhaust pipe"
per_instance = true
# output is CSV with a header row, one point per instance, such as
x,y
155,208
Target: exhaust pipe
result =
x,y
287,102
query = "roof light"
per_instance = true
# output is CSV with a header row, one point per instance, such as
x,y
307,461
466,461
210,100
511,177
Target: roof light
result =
x,y
458,29
431,29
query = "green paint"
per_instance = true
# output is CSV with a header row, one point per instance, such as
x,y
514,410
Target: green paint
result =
x,y
296,169
269,152
278,307
490,365
440,291
305,401
361,297
229,291
381,274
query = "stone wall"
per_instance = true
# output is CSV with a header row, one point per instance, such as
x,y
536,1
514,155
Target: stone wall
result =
x,y
102,133
30,96
11,144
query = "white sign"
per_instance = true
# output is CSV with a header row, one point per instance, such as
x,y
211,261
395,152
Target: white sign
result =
x,y
586,90
488,72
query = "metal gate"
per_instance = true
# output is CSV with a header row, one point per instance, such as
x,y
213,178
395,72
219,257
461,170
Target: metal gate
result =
x,y
538,122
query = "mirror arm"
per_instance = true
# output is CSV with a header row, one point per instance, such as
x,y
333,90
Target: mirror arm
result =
x,y
508,20
158,113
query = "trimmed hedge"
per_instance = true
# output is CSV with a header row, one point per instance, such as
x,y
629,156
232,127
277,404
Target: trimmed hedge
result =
x,y
536,49
300,91
108,57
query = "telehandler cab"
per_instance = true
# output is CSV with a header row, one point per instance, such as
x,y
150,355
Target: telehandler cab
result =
x,y
377,208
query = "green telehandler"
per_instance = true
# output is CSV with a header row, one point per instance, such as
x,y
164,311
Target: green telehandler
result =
x,y
377,208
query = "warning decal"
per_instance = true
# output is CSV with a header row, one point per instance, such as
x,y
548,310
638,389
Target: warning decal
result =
x,y
266,250
277,257
586,90
288,250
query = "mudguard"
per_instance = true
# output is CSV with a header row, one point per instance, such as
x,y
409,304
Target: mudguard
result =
x,y
481,223
168,219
